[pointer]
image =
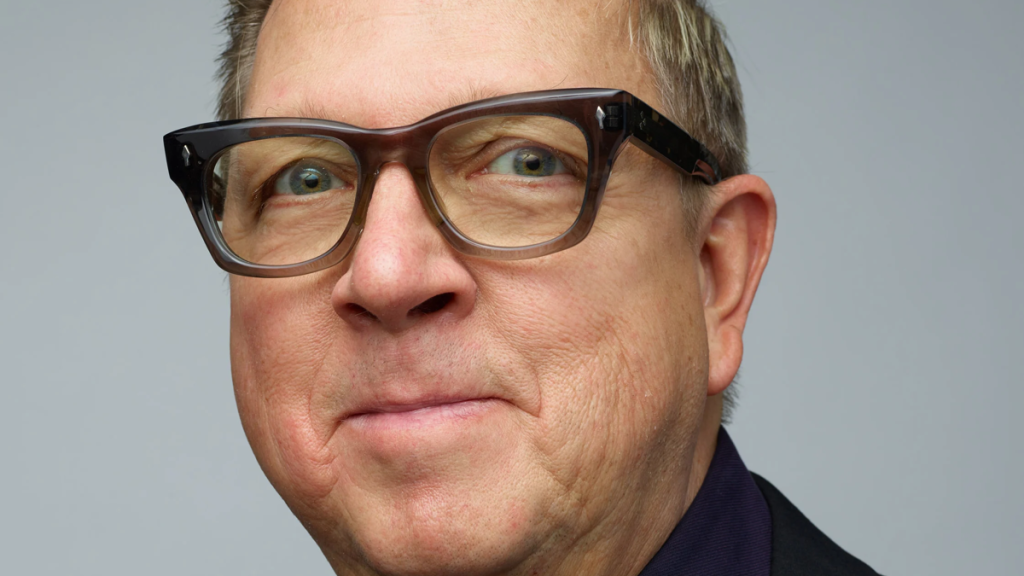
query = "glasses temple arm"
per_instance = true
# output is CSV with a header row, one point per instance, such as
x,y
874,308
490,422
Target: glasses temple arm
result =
x,y
658,136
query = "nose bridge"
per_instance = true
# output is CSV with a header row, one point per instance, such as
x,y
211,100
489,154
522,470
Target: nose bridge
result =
x,y
403,147
400,272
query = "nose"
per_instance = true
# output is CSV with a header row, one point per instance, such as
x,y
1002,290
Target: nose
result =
x,y
402,272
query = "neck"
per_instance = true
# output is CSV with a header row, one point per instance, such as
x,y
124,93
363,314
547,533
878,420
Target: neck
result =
x,y
707,442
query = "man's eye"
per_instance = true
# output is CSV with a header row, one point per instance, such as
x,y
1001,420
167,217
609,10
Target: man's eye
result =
x,y
304,177
531,161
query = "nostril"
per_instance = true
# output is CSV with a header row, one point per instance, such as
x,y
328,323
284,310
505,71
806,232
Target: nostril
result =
x,y
431,305
357,310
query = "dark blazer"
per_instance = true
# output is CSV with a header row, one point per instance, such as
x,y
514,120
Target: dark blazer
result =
x,y
798,547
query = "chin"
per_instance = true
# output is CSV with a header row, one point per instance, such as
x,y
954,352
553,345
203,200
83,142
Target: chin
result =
x,y
462,500
442,532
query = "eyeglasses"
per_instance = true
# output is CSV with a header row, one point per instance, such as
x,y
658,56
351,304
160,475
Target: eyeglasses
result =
x,y
505,178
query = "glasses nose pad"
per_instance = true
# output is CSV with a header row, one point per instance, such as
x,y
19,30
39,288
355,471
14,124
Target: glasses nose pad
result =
x,y
358,219
421,178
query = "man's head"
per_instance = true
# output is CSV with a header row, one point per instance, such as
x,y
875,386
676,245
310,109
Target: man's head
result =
x,y
594,374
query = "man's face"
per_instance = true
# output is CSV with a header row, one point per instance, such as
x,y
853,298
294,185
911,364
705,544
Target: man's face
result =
x,y
428,412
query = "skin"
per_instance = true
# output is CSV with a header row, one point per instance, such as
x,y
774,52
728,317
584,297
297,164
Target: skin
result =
x,y
602,365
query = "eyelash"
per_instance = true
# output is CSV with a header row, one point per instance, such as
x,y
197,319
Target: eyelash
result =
x,y
571,163
266,188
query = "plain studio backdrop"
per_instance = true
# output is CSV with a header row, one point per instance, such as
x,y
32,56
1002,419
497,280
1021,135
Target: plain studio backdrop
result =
x,y
881,389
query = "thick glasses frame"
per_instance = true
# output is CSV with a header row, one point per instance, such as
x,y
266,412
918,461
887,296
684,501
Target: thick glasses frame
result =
x,y
608,119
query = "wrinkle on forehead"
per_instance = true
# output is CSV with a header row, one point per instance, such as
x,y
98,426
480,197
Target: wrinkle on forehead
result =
x,y
390,63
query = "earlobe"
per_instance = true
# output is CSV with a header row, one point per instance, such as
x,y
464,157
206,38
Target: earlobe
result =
x,y
725,355
737,242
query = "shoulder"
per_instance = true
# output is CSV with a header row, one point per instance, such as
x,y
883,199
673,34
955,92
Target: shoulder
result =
x,y
798,547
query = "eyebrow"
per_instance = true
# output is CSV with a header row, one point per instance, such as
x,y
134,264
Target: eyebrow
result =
x,y
316,111
469,94
311,109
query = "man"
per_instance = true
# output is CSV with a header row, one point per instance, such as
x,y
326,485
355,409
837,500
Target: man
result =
x,y
497,340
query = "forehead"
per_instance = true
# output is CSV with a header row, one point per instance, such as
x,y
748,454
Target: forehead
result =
x,y
392,62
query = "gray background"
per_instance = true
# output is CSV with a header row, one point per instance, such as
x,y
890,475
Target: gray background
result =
x,y
881,388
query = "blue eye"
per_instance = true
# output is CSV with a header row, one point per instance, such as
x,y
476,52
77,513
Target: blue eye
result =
x,y
531,162
305,178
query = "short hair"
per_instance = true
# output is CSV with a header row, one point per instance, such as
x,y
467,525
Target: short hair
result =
x,y
681,39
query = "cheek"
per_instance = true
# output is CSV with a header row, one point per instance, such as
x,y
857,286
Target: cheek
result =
x,y
279,338
618,350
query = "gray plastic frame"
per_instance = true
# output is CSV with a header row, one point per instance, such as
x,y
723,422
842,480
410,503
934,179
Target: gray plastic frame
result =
x,y
608,118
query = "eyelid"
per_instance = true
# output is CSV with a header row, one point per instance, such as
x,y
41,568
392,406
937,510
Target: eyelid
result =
x,y
496,149
343,173
266,189
264,161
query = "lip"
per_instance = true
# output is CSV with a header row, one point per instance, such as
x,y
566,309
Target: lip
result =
x,y
397,405
421,414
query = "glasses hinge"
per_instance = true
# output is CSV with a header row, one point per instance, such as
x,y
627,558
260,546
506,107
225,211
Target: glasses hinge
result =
x,y
609,117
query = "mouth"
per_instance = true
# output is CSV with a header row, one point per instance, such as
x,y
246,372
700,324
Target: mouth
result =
x,y
422,414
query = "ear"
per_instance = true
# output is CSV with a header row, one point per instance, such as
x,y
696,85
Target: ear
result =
x,y
737,233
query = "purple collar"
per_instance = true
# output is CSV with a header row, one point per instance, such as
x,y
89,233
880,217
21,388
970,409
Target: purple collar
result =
x,y
726,531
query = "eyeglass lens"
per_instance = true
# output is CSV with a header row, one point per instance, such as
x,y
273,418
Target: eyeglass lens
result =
x,y
503,181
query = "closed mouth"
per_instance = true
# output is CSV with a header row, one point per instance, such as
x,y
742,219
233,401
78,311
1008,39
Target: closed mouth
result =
x,y
421,406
